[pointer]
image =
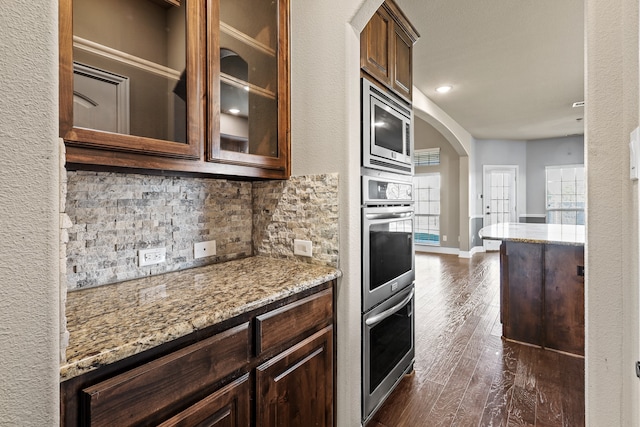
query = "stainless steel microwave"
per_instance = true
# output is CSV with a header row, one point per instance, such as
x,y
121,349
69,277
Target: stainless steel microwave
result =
x,y
387,131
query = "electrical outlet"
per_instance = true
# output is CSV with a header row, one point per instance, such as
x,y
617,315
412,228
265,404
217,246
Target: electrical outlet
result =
x,y
151,256
302,247
444,237
204,249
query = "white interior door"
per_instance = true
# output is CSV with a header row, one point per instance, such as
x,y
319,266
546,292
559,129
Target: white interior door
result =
x,y
499,198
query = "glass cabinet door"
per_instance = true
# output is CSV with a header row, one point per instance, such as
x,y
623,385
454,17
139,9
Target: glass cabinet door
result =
x,y
248,82
131,77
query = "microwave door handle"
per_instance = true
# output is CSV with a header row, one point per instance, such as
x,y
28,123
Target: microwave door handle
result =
x,y
389,215
374,320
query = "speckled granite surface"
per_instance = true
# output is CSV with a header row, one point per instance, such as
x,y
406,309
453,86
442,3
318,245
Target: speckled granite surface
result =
x,y
535,233
112,322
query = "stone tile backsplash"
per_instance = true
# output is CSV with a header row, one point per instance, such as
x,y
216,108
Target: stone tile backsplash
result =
x,y
114,215
304,207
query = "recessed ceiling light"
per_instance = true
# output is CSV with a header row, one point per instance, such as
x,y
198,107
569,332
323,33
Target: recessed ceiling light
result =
x,y
234,111
444,89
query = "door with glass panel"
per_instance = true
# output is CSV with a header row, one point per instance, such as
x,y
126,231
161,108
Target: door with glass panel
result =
x,y
499,198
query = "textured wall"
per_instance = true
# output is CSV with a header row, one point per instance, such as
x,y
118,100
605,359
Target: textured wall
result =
x,y
29,214
325,138
304,207
611,258
114,215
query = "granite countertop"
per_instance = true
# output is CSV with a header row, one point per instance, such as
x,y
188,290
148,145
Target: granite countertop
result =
x,y
111,322
573,235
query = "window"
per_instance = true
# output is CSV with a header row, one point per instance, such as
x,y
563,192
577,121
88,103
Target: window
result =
x,y
427,157
565,191
427,208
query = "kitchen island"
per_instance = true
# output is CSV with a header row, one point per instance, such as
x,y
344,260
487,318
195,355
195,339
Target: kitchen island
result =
x,y
541,284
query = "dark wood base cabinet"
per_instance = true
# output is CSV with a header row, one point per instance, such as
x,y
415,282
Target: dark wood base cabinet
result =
x,y
271,367
542,295
229,406
295,387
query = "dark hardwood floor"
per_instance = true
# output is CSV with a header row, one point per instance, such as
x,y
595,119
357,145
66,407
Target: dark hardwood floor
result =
x,y
464,373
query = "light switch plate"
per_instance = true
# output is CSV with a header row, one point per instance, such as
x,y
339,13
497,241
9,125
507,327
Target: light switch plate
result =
x,y
204,249
634,154
302,247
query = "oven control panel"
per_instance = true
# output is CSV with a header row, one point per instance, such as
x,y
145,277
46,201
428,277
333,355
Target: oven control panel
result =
x,y
381,190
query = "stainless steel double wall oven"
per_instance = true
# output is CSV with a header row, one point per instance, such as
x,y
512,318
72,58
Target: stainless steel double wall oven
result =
x,y
388,266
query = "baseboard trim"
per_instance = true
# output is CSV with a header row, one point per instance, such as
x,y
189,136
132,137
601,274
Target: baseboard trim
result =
x,y
437,249
449,251
469,254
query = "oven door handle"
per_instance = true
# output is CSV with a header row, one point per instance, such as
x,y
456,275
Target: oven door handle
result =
x,y
390,215
374,320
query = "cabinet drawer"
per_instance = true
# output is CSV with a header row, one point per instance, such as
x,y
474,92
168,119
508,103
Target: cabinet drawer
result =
x,y
229,406
148,391
286,323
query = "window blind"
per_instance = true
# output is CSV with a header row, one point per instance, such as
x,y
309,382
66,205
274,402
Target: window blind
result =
x,y
427,157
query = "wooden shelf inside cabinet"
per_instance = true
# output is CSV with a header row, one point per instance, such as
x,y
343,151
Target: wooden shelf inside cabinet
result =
x,y
168,3
246,39
91,117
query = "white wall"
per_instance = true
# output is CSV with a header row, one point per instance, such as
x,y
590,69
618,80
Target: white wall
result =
x,y
611,286
29,291
325,137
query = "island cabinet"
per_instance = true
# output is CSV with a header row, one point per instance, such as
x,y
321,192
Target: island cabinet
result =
x,y
180,85
386,49
542,295
273,367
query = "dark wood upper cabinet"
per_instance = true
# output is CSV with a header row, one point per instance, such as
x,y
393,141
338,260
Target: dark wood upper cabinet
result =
x,y
186,86
375,47
248,49
131,78
386,45
403,62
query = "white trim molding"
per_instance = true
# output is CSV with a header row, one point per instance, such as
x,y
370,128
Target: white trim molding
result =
x,y
474,250
436,249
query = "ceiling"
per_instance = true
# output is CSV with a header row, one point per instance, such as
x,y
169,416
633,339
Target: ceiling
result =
x,y
516,66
